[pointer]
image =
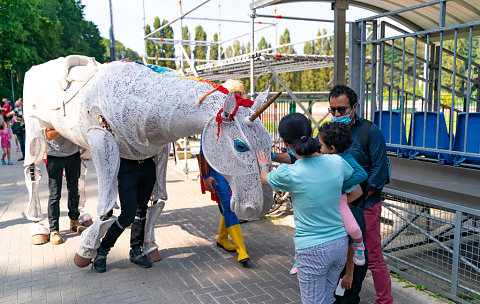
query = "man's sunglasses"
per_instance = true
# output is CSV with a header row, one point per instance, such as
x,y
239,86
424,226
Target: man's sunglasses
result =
x,y
340,110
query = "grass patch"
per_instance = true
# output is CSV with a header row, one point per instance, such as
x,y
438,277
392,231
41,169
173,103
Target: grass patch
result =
x,y
273,218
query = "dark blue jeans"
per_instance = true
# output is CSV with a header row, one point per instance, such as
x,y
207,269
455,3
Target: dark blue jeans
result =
x,y
135,184
55,167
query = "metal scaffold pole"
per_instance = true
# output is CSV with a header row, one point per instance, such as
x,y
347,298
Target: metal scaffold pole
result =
x,y
113,55
252,59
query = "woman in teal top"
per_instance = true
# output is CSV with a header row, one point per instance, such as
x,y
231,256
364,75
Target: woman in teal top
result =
x,y
315,183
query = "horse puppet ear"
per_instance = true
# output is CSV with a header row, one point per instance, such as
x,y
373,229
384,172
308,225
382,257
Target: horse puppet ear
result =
x,y
229,105
260,99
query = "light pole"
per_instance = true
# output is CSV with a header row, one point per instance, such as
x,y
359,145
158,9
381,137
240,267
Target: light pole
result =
x,y
113,53
11,79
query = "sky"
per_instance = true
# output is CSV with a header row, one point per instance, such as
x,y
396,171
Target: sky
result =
x,y
128,19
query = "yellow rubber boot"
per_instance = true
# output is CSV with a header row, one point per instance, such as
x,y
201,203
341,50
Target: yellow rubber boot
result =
x,y
222,240
236,234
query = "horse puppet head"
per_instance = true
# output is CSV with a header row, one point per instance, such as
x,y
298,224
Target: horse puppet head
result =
x,y
230,146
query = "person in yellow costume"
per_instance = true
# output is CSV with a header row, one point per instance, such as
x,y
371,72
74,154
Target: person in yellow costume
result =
x,y
215,183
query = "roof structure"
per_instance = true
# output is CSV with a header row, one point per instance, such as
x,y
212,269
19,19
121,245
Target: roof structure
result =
x,y
423,18
239,67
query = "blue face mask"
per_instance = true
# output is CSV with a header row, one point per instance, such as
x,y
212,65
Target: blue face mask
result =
x,y
343,119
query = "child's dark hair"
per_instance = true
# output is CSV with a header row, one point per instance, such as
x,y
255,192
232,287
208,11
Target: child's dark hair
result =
x,y
295,129
2,125
336,134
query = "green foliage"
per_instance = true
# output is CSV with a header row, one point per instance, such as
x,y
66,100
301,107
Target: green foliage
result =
x,y
200,51
188,49
214,48
398,277
150,45
122,51
158,49
35,31
229,52
468,296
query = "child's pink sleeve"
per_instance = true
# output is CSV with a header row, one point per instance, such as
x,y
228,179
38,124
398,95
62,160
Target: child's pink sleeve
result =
x,y
351,225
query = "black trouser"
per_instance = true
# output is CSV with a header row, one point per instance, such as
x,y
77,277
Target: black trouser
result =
x,y
21,141
135,184
352,295
55,166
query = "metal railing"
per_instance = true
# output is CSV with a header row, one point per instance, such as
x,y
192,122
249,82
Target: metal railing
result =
x,y
437,90
433,243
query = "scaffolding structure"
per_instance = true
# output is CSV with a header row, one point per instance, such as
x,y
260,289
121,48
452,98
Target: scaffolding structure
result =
x,y
252,65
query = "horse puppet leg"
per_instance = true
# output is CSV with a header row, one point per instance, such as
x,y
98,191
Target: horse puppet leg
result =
x,y
159,193
35,149
106,157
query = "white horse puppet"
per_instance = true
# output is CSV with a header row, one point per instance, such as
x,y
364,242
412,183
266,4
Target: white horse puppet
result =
x,y
128,110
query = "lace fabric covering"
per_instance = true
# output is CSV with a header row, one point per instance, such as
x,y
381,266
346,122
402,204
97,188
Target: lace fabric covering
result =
x,y
106,158
34,210
37,228
153,213
240,168
160,189
83,217
90,238
145,110
81,186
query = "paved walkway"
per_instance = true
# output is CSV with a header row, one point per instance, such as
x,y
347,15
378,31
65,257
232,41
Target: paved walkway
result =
x,y
193,269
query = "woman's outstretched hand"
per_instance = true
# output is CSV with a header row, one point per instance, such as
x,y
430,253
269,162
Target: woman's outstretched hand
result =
x,y
264,163
263,159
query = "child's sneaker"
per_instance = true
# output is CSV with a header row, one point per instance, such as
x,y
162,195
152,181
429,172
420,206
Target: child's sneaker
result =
x,y
359,254
10,163
293,271
17,149
4,162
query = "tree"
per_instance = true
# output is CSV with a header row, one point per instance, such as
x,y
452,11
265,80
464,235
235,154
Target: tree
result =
x,y
33,32
292,79
229,52
163,50
214,48
263,44
150,46
188,49
200,51
284,39
122,51
262,81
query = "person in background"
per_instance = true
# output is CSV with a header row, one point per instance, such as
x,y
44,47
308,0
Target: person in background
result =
x,y
62,155
19,128
372,156
6,143
6,108
216,184
315,184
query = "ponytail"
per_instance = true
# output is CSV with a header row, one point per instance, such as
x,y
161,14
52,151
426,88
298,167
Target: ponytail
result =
x,y
306,145
295,129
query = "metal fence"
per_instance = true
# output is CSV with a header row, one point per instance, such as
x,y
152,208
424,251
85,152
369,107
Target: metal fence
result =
x,y
422,89
432,243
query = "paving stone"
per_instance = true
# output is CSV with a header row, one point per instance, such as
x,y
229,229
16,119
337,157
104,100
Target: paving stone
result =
x,y
193,268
